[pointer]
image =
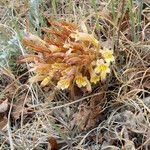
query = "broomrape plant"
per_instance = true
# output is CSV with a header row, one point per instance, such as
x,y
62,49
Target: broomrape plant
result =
x,y
67,56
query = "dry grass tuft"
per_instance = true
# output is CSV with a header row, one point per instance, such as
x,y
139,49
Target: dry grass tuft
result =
x,y
115,115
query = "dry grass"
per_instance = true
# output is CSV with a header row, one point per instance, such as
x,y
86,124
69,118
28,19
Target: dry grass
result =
x,y
36,114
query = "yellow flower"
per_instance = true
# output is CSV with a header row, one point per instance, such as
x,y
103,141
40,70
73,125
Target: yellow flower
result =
x,y
46,81
88,86
102,68
64,72
81,36
94,78
64,83
57,65
81,81
57,69
107,55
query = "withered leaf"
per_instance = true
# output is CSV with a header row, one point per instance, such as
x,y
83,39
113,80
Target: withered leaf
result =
x,y
53,143
4,106
18,107
87,116
146,84
3,122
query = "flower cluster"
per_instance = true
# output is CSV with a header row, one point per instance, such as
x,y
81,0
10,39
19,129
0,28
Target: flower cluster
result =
x,y
67,56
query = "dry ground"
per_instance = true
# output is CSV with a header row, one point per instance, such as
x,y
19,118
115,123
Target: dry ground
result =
x,y
115,116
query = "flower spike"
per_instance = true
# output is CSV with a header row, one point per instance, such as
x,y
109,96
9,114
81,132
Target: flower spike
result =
x,y
68,56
